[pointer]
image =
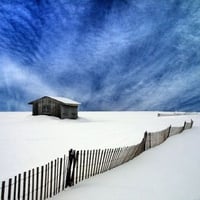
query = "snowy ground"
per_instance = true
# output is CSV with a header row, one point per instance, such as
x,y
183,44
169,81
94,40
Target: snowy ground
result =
x,y
169,171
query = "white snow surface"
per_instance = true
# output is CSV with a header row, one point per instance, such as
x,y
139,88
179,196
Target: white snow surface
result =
x,y
168,171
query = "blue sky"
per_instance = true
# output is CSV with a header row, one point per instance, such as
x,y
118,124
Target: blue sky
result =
x,y
107,54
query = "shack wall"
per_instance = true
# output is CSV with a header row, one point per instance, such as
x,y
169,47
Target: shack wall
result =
x,y
70,112
47,106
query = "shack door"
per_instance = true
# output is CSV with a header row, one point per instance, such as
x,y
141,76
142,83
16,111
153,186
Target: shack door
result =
x,y
35,109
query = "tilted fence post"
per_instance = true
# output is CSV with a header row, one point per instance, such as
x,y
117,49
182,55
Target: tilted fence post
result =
x,y
70,168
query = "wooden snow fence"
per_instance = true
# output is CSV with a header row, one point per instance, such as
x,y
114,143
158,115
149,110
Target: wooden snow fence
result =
x,y
39,183
50,179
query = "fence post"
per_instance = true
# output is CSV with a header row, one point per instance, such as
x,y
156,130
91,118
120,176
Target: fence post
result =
x,y
75,160
169,131
70,170
145,140
191,123
184,125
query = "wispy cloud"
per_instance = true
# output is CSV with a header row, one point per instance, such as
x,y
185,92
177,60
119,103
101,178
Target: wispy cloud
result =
x,y
121,55
19,84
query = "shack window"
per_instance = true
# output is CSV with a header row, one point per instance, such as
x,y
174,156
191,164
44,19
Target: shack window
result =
x,y
46,108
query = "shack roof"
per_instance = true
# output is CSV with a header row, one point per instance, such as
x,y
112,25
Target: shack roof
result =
x,y
62,100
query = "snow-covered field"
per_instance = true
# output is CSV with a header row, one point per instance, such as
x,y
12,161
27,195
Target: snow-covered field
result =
x,y
169,171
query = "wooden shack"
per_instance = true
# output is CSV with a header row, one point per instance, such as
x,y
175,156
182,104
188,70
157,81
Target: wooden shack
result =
x,y
55,106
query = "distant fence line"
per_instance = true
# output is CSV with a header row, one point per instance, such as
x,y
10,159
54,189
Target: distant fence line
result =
x,y
50,179
166,114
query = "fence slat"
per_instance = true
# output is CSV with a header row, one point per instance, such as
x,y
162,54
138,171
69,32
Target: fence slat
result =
x,y
113,158
57,177
45,181
24,186
100,162
15,188
97,163
48,182
9,188
109,158
3,190
60,174
33,188
114,163
54,179
80,166
90,163
37,183
118,157
29,183
103,160
87,165
77,165
51,180
83,166
106,160
19,186
64,172
121,156
41,182
94,162
73,170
